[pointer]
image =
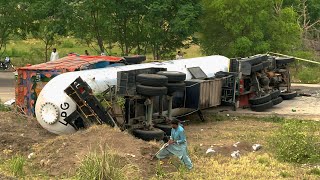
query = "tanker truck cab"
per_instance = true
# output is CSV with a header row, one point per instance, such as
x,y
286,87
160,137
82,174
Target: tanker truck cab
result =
x,y
151,94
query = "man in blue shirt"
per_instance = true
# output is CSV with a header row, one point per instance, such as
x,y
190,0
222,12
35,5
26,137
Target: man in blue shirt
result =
x,y
177,145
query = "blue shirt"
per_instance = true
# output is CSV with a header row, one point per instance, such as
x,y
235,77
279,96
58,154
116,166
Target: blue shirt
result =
x,y
178,135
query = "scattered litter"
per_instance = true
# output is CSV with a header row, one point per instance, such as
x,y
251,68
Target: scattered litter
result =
x,y
132,155
228,115
10,102
236,144
256,147
235,154
201,145
22,135
30,155
201,130
210,150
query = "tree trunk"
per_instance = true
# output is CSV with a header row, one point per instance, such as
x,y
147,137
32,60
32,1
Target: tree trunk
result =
x,y
100,44
46,51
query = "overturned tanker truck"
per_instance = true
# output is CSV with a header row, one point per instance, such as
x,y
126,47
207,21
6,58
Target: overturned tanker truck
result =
x,y
150,93
67,102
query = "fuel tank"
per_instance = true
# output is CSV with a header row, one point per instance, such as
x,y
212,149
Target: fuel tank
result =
x,y
54,105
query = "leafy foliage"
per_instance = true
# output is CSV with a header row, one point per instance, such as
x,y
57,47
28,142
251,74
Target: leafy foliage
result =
x,y
292,143
243,28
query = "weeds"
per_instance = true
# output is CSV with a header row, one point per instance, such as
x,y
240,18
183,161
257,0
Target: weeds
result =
x,y
292,143
104,165
16,164
315,171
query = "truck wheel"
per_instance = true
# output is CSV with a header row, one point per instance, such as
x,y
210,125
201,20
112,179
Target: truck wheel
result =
x,y
173,76
280,61
166,128
260,100
151,91
257,67
262,107
149,135
288,95
277,101
152,80
275,94
134,59
176,87
253,60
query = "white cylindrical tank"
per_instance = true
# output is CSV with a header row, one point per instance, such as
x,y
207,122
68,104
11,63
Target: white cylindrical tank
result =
x,y
54,105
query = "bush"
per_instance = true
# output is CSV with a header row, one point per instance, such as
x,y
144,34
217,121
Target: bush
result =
x,y
16,164
293,143
309,75
104,165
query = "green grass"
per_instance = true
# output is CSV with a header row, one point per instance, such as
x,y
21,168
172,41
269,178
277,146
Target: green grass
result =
x,y
32,51
16,165
105,165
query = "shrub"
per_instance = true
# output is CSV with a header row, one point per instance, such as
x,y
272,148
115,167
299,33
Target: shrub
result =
x,y
16,164
292,143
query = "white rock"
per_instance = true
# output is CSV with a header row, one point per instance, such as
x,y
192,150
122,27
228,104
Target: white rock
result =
x,y
210,150
30,155
201,145
132,155
201,129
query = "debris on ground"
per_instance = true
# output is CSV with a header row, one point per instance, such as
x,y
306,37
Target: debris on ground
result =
x,y
10,102
235,154
236,144
256,147
210,150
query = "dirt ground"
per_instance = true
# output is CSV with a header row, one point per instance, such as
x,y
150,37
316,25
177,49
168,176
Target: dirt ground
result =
x,y
59,156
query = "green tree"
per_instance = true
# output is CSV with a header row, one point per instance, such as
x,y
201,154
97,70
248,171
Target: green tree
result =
x,y
171,25
92,23
11,20
50,18
243,28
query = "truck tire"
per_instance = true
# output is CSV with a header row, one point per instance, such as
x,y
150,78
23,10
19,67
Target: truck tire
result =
x,y
253,60
134,59
281,61
166,128
151,91
260,100
262,107
176,87
288,95
275,94
257,67
277,101
152,80
173,76
149,135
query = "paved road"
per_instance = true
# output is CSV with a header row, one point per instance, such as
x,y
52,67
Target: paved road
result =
x,y
7,83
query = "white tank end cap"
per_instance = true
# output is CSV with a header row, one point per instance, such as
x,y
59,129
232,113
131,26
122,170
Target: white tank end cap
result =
x,y
49,113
